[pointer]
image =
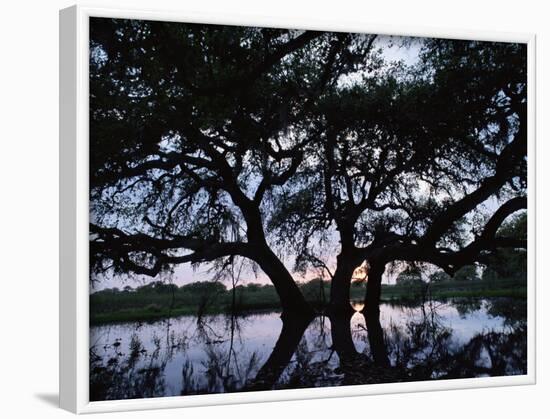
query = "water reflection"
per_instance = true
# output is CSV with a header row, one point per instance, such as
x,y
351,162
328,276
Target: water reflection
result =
x,y
216,354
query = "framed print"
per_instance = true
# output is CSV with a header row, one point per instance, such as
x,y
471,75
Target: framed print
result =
x,y
260,210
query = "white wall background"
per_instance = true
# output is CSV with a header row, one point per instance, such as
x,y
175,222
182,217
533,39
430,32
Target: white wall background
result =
x,y
29,205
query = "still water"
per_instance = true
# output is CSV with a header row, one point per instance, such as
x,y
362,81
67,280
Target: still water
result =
x,y
224,353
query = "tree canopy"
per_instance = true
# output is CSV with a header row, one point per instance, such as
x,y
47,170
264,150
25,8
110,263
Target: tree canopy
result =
x,y
209,143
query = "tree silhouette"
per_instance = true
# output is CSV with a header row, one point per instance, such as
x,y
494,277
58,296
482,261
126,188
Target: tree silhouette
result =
x,y
192,128
209,143
408,158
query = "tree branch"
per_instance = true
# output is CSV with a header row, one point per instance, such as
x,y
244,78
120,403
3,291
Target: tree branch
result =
x,y
508,159
451,261
115,244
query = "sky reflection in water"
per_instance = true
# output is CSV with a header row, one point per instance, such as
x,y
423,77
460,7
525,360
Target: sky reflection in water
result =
x,y
255,352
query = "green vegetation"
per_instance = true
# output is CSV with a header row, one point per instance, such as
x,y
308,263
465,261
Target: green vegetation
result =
x,y
157,300
501,287
160,300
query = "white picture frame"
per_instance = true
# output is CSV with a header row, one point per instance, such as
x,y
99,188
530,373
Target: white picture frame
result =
x,y
74,267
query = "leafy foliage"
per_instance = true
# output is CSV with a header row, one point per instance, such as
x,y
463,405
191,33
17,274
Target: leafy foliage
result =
x,y
211,143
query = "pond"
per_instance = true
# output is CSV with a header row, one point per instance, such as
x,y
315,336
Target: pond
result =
x,y
261,351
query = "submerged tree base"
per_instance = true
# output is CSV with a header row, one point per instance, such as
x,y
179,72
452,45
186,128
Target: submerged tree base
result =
x,y
338,310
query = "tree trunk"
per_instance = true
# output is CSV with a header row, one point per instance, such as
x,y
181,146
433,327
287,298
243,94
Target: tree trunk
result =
x,y
340,285
374,288
233,299
292,300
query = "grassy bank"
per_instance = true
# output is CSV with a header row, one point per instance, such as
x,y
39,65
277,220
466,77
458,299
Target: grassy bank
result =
x,y
502,287
157,300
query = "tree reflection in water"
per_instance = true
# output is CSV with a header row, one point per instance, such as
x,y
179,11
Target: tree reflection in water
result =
x,y
137,375
214,356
